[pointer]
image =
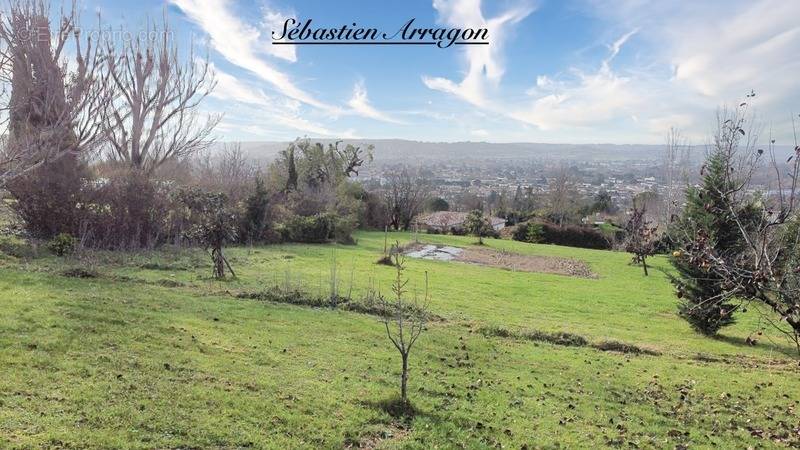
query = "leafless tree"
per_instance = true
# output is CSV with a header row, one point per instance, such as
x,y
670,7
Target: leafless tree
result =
x,y
640,236
228,170
404,321
154,116
405,197
677,155
561,196
58,88
766,270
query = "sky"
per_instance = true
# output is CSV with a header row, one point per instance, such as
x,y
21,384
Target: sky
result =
x,y
568,71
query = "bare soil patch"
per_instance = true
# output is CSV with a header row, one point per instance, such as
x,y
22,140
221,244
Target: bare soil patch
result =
x,y
504,260
526,263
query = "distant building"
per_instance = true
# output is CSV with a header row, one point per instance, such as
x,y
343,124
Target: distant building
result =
x,y
444,221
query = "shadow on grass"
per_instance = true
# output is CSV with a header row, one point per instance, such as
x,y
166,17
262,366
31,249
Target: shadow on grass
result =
x,y
403,411
738,341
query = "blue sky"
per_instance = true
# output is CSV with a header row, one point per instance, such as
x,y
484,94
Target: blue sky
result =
x,y
581,71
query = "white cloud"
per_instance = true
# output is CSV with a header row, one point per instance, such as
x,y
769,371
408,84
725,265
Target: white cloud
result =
x,y
282,111
717,51
752,47
592,100
239,43
360,104
484,62
273,20
586,101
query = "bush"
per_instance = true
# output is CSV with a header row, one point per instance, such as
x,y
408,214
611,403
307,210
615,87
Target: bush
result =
x,y
570,236
61,245
534,233
47,198
16,247
132,211
343,228
308,229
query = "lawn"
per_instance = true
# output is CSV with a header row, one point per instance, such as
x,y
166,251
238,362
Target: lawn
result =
x,y
151,353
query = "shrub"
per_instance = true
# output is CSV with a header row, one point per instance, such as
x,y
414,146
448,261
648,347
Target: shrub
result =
x,y
16,247
61,245
129,210
47,198
534,233
570,236
308,229
343,228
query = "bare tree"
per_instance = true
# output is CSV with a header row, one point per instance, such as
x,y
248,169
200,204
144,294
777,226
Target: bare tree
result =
x,y
561,196
677,154
57,88
154,116
228,170
640,236
405,197
404,321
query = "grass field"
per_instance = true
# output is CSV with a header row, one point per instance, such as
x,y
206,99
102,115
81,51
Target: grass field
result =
x,y
152,353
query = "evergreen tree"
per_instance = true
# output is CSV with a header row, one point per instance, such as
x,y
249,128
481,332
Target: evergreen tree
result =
x,y
254,222
707,216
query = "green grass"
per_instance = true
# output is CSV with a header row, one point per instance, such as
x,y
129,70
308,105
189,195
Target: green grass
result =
x,y
129,360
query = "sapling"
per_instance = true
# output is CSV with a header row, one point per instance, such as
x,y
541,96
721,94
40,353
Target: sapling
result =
x,y
404,320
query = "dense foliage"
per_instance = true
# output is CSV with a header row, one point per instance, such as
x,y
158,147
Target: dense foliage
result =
x,y
706,215
568,235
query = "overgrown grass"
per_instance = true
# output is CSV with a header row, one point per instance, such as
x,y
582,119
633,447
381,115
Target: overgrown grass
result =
x,y
165,357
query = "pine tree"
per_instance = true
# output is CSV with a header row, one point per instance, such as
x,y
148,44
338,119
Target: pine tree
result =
x,y
706,215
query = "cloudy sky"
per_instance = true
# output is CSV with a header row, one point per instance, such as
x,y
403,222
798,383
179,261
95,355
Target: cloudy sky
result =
x,y
618,71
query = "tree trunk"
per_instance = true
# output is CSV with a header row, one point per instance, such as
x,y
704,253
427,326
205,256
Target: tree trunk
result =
x,y
644,265
219,263
404,380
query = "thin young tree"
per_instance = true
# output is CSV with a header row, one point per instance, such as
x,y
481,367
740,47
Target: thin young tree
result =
x,y
676,157
404,320
641,236
154,116
478,225
214,225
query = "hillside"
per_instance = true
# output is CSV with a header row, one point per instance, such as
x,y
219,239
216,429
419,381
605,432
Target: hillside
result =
x,y
148,352
399,150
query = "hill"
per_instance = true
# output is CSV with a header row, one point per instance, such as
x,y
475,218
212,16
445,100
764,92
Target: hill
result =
x,y
398,150
148,352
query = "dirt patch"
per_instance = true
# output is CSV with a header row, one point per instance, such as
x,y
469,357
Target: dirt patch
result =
x,y
525,263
